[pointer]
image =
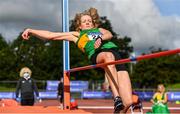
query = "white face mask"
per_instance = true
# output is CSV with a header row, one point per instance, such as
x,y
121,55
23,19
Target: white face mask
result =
x,y
26,75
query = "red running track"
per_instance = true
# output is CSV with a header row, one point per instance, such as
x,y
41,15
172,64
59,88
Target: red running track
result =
x,y
86,106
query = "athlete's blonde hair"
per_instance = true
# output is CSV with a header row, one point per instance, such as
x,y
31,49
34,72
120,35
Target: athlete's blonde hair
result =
x,y
23,70
160,87
92,12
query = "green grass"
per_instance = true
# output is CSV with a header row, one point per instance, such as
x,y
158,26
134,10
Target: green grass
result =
x,y
174,86
10,89
7,89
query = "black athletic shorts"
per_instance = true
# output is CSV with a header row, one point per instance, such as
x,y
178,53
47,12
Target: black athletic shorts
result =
x,y
119,67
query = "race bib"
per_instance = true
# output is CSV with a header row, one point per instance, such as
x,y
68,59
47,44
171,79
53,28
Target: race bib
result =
x,y
94,35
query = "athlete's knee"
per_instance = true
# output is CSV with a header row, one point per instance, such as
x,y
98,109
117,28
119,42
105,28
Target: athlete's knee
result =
x,y
109,57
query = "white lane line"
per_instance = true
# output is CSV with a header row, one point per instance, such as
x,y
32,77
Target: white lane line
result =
x,y
110,107
96,107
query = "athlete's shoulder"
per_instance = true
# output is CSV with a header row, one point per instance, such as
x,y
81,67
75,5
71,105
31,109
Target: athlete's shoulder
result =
x,y
156,94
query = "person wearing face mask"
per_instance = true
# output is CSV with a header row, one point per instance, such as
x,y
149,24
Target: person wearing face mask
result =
x,y
26,87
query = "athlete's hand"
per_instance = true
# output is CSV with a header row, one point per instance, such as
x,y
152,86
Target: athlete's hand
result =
x,y
98,42
26,34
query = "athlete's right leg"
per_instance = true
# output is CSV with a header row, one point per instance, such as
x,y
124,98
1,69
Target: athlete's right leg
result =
x,y
112,78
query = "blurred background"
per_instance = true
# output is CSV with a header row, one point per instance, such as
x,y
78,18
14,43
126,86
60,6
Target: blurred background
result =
x,y
138,27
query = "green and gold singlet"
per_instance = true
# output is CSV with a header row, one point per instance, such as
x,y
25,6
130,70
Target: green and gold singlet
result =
x,y
86,41
159,107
